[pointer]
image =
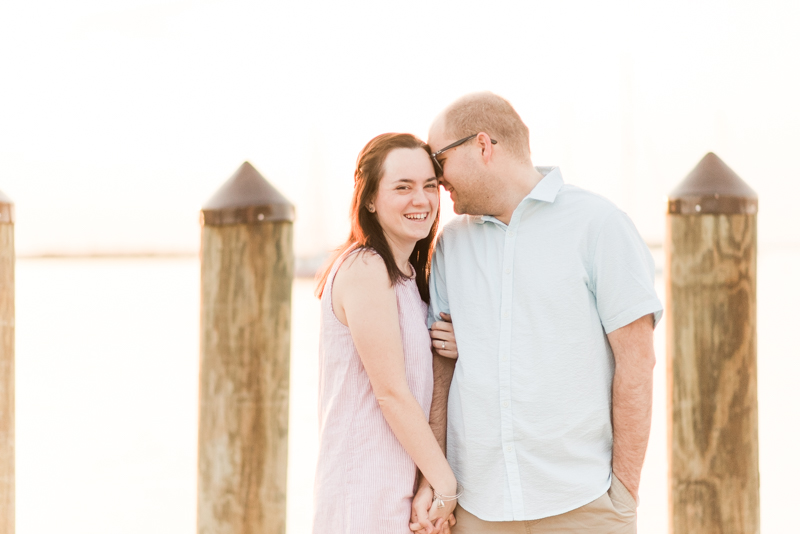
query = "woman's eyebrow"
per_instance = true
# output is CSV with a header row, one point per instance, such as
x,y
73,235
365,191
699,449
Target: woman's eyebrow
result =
x,y
410,181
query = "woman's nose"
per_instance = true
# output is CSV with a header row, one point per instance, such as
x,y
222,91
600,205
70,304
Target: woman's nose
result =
x,y
419,196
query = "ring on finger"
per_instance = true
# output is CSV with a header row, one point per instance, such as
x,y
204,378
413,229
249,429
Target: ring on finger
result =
x,y
444,343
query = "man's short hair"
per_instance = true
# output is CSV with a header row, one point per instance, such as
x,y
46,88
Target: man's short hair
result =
x,y
487,112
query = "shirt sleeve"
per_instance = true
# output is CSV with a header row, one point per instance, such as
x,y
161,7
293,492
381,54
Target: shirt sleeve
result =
x,y
623,274
437,285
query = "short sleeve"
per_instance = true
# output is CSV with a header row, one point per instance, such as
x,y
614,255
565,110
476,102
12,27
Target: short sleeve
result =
x,y
623,274
437,285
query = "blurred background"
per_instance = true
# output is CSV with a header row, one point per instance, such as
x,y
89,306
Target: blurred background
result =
x,y
119,119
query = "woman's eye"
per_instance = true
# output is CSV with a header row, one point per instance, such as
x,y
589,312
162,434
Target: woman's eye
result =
x,y
433,186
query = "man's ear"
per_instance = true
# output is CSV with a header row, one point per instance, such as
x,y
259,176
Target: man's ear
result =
x,y
486,146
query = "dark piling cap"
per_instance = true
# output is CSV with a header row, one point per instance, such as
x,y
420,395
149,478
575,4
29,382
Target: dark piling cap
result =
x,y
246,198
6,209
712,188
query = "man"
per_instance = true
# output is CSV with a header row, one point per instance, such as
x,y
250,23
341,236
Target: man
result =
x,y
550,289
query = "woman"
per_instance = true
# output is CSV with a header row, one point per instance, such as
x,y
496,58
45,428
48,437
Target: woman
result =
x,y
376,377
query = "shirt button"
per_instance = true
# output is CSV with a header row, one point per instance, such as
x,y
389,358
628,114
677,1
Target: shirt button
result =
x,y
508,448
504,358
511,233
508,271
505,404
505,314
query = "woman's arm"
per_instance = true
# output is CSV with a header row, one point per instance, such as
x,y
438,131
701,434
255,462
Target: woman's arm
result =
x,y
366,303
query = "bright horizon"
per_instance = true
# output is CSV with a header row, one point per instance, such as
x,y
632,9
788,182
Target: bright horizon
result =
x,y
119,122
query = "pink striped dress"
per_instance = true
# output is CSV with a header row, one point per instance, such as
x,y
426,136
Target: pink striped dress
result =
x,y
365,479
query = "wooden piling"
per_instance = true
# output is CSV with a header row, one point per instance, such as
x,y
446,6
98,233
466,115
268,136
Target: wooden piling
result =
x,y
712,405
246,278
7,325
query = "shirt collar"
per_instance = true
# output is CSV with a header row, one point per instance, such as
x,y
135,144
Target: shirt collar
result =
x,y
546,190
548,187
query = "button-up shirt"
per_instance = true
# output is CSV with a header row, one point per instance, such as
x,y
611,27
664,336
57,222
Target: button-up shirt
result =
x,y
529,415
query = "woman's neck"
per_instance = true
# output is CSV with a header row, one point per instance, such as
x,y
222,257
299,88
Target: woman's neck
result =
x,y
401,253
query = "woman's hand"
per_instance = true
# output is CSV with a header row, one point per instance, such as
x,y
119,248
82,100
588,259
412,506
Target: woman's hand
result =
x,y
421,522
442,518
419,509
443,337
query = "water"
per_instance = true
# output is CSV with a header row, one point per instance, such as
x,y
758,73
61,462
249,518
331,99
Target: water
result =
x,y
107,388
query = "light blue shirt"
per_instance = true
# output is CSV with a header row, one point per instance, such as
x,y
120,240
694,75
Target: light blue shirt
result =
x,y
529,415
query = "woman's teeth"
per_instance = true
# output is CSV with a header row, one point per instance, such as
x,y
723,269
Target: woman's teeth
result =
x,y
417,216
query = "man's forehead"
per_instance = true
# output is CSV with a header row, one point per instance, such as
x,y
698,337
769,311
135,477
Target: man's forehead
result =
x,y
436,134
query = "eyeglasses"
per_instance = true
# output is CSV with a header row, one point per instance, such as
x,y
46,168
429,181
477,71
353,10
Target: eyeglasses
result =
x,y
438,165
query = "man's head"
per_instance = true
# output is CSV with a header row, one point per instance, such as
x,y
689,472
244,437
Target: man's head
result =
x,y
473,172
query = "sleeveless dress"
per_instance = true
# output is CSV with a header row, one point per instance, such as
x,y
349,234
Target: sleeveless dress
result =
x,y
365,479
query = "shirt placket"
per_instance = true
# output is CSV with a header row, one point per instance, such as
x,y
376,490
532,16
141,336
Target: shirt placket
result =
x,y
505,363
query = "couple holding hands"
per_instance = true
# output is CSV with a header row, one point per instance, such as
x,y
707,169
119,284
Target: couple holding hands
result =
x,y
498,378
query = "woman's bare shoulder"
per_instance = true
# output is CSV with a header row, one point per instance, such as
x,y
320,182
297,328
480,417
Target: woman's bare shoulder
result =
x,y
364,268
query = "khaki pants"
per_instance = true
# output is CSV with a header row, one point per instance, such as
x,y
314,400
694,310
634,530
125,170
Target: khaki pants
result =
x,y
613,512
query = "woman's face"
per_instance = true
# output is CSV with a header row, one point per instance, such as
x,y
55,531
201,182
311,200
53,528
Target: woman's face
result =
x,y
407,200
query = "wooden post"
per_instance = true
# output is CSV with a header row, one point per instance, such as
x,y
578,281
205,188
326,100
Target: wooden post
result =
x,y
246,277
7,477
712,405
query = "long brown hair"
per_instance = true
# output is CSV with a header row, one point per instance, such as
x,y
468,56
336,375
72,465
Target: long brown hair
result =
x,y
365,230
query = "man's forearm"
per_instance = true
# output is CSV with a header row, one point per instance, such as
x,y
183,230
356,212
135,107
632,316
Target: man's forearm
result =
x,y
632,399
443,369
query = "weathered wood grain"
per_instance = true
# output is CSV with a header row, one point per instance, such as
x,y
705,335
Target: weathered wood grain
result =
x,y
711,373
246,278
7,325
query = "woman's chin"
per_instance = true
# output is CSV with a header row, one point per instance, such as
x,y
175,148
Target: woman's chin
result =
x,y
422,234
413,231
413,237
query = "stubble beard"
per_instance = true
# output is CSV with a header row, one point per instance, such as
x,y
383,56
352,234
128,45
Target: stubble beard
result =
x,y
465,207
475,198
473,203
462,208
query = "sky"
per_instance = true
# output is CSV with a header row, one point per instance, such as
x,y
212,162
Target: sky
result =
x,y
119,119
